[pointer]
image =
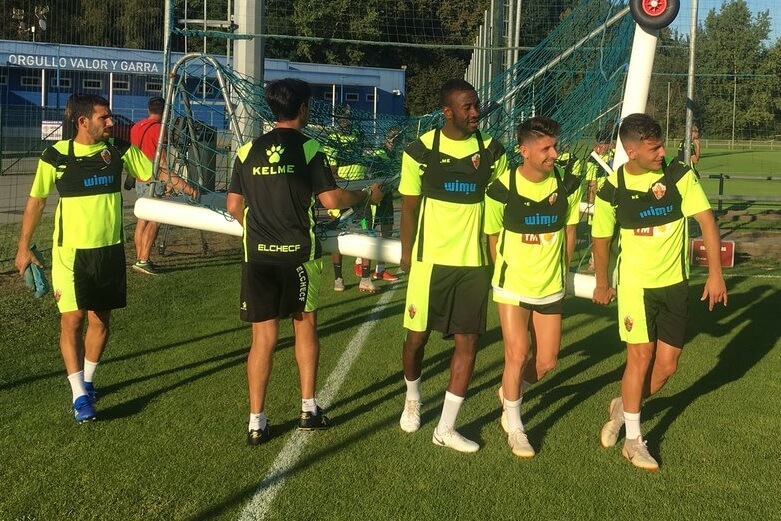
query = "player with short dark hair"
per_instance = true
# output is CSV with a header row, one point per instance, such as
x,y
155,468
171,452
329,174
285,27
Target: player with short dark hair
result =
x,y
272,192
88,256
444,174
531,214
649,202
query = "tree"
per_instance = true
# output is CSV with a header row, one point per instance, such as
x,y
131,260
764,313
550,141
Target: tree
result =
x,y
731,45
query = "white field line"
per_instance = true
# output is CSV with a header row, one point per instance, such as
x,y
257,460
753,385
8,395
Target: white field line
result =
x,y
260,503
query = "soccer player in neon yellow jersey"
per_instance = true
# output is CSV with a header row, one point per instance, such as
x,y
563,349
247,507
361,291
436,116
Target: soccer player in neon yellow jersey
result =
x,y
88,256
444,174
650,203
531,215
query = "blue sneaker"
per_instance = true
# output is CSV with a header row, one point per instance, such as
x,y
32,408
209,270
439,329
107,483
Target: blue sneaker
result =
x,y
83,410
90,388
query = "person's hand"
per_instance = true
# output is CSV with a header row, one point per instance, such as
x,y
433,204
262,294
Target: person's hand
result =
x,y
715,290
25,257
405,264
376,194
603,295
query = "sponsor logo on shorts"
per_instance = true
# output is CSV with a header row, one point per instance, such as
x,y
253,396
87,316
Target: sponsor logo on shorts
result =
x,y
412,311
629,322
244,306
302,280
530,238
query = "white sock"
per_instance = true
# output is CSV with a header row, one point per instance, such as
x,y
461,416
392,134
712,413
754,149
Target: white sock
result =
x,y
358,260
257,422
449,411
413,389
380,267
632,424
89,370
513,410
308,405
77,384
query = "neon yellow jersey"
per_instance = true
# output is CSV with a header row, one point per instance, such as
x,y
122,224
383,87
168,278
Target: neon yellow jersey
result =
x,y
344,158
450,232
88,179
530,266
655,254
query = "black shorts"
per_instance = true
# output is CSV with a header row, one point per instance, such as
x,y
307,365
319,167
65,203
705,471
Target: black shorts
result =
x,y
92,279
448,299
651,314
554,308
278,290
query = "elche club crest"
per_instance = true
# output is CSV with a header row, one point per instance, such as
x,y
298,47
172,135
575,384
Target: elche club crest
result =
x,y
106,156
476,161
629,322
659,189
552,198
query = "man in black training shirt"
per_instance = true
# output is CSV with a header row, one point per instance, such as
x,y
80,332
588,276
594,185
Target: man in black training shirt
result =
x,y
275,179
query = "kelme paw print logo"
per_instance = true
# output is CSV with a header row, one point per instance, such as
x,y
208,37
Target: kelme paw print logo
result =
x,y
274,153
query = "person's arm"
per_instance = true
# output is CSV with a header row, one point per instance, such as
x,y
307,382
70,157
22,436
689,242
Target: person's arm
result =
x,y
493,239
410,206
340,198
603,293
33,211
571,235
235,206
715,289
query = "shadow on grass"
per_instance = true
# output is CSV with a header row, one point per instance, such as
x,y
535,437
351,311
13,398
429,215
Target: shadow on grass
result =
x,y
555,388
756,317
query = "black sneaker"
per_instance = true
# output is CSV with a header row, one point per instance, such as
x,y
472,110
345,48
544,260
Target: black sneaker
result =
x,y
258,436
308,421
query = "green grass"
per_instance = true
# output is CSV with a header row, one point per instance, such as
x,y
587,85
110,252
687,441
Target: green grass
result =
x,y
170,443
743,163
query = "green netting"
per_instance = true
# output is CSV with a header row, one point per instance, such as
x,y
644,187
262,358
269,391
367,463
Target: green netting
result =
x,y
574,76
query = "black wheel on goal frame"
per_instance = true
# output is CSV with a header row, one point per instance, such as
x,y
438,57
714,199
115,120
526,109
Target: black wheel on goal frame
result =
x,y
654,14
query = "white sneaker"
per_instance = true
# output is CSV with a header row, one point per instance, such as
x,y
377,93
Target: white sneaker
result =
x,y
637,453
339,284
451,438
520,445
608,436
410,416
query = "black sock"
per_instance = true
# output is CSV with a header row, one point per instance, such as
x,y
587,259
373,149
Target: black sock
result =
x,y
338,270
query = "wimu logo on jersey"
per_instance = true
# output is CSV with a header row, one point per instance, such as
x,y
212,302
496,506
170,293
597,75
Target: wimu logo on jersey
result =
x,y
540,220
98,180
460,187
655,211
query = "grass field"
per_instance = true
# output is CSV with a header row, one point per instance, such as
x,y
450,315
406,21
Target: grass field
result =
x,y
170,442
